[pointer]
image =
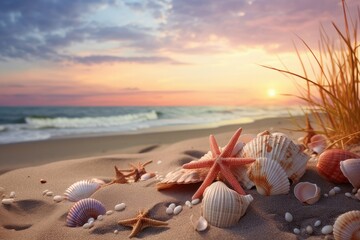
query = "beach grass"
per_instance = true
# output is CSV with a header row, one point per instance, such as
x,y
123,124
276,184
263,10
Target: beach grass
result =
x,y
331,89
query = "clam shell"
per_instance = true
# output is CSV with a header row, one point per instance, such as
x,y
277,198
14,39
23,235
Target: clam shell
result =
x,y
347,226
269,177
223,207
351,170
318,143
80,190
328,164
307,192
199,225
280,149
82,210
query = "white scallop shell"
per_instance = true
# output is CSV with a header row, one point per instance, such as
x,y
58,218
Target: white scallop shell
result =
x,y
269,177
81,189
281,149
351,169
307,192
82,210
347,226
223,207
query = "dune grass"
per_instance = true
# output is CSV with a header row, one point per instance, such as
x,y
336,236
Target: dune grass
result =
x,y
331,89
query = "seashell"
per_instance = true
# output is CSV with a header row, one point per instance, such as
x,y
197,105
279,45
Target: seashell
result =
x,y
177,210
347,226
82,210
269,177
199,225
318,143
327,229
120,207
280,149
222,206
81,189
307,192
351,169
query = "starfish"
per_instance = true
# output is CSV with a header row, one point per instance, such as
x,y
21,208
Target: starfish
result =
x,y
140,222
220,162
137,170
119,177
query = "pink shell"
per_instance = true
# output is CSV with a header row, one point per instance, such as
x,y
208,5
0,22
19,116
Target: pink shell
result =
x,y
307,192
329,164
84,209
318,143
351,169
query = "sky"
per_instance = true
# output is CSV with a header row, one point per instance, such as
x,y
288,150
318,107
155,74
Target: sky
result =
x,y
156,52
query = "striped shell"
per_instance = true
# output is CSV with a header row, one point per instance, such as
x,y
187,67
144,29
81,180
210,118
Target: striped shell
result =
x,y
351,170
329,164
347,226
307,192
269,177
81,189
84,209
223,207
281,149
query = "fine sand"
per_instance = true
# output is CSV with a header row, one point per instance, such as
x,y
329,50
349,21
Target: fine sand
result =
x,y
62,162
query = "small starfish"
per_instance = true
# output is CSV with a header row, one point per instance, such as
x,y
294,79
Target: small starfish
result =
x,y
220,162
140,222
119,178
137,170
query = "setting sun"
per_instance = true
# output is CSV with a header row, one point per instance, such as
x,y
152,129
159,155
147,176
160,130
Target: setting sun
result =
x,y
271,92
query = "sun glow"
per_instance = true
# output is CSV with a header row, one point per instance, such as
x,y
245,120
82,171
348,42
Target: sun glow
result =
x,y
271,92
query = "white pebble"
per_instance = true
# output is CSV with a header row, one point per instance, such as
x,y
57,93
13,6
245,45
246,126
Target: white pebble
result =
x,y
116,231
100,218
120,207
49,193
288,217
188,203
44,192
91,220
109,212
354,190
326,195
296,231
159,162
332,192
309,229
169,210
337,189
195,201
172,205
7,201
88,225
12,195
147,176
348,194
177,210
58,198
327,229
317,223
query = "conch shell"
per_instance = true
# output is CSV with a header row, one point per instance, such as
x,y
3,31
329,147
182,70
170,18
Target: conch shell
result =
x,y
307,192
222,206
347,226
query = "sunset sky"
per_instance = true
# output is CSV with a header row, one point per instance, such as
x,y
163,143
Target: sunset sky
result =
x,y
155,52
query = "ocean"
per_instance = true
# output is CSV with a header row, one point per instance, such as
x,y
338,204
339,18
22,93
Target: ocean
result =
x,y
20,124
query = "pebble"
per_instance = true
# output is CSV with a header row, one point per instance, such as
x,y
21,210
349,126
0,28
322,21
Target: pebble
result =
x,y
159,162
195,201
7,201
100,218
327,229
58,198
116,231
169,210
147,176
172,205
354,190
120,207
44,192
42,181
49,193
109,212
317,223
332,192
88,225
309,229
326,195
288,217
91,220
177,210
348,194
188,203
337,189
296,231
12,195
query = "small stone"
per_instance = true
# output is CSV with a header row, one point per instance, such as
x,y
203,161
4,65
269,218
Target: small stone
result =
x,y
327,229
58,198
288,217
159,162
309,230
12,195
49,193
7,201
147,176
44,192
317,223
347,194
116,231
91,220
195,201
172,205
100,218
87,225
326,195
188,203
120,207
169,210
42,181
177,210
337,189
332,192
109,212
354,190
296,231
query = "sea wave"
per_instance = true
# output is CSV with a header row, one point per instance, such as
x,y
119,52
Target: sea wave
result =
x,y
88,122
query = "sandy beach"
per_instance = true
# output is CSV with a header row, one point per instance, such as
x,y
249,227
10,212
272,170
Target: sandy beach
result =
x,y
62,162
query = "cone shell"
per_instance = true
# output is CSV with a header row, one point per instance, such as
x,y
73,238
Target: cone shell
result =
x,y
318,143
347,226
280,149
307,192
269,177
81,189
329,164
351,170
223,207
84,209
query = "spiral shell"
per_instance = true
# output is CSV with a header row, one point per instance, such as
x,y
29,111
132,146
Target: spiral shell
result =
x,y
347,226
223,207
280,149
81,189
329,164
351,169
84,209
307,192
269,177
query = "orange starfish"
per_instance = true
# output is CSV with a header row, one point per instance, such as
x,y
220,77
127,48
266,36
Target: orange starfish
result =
x,y
140,222
119,177
220,162
137,170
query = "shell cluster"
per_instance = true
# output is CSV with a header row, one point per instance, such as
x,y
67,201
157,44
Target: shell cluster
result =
x,y
84,209
81,189
347,226
223,207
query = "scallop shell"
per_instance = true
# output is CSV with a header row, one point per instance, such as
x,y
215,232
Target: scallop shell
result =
x,y
280,149
329,164
318,143
351,169
347,226
84,209
307,192
269,177
81,189
223,207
